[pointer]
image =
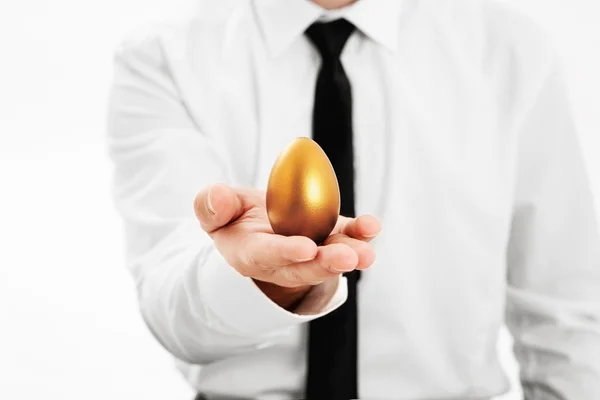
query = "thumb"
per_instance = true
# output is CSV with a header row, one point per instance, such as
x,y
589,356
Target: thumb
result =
x,y
216,206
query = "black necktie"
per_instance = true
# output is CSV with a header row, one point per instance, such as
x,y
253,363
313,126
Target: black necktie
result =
x,y
332,341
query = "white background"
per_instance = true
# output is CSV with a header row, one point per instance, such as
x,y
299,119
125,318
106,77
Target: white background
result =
x,y
69,328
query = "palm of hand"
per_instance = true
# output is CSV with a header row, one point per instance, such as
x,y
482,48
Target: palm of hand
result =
x,y
244,237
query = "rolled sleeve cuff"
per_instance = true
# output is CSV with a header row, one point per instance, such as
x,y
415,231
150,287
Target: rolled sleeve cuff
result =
x,y
240,304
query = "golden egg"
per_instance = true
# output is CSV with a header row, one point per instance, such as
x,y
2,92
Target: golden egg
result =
x,y
303,197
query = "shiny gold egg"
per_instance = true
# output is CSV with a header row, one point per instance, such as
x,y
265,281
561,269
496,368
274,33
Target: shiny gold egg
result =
x,y
303,196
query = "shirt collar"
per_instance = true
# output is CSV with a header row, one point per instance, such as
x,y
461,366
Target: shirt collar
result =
x,y
283,21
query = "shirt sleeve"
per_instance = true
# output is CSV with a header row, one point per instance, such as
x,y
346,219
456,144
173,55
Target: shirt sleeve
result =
x,y
553,304
197,306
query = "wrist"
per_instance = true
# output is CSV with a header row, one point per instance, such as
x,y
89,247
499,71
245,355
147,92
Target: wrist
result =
x,y
285,297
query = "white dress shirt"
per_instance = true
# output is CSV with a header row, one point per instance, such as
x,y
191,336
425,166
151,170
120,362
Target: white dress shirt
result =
x,y
464,149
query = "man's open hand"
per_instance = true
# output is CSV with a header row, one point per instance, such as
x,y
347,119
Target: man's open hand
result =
x,y
282,266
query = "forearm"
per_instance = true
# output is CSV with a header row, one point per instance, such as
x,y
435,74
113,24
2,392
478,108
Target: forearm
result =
x,y
556,342
538,391
201,309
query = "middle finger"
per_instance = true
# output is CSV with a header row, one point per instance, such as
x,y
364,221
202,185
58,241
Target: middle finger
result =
x,y
364,251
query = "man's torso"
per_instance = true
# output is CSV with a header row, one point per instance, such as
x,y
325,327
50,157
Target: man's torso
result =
x,y
435,152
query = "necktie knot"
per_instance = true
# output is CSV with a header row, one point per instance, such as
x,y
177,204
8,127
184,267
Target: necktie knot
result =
x,y
330,37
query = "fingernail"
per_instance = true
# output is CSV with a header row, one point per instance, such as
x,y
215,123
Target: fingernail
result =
x,y
304,259
348,268
211,209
